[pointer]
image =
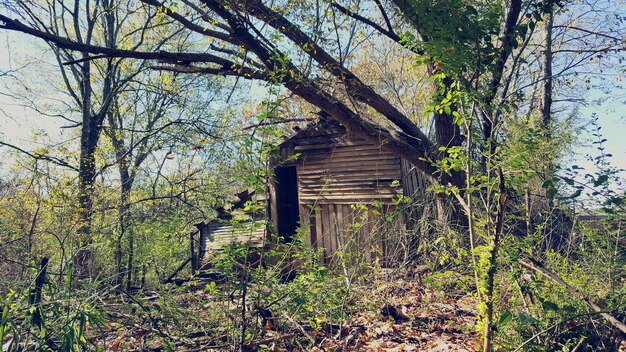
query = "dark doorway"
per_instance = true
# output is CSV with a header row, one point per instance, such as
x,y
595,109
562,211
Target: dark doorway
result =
x,y
287,199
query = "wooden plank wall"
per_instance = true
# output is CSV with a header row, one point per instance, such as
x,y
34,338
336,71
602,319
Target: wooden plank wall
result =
x,y
350,172
338,184
346,188
415,186
216,236
360,232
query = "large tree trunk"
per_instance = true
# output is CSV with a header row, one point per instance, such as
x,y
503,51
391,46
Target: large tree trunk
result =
x,y
546,103
86,192
90,133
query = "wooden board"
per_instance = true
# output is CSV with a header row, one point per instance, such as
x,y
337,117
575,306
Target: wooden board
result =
x,y
362,231
305,222
217,236
350,174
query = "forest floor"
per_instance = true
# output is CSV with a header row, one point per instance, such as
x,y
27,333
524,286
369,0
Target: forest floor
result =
x,y
407,316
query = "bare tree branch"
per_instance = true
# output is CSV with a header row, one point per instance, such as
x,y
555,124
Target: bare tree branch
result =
x,y
38,156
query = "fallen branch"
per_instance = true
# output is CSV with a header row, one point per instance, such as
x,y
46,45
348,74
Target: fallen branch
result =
x,y
538,267
294,325
180,267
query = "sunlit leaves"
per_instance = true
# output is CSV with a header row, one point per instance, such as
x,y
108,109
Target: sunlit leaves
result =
x,y
458,34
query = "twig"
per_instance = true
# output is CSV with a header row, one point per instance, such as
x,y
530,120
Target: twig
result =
x,y
579,344
295,324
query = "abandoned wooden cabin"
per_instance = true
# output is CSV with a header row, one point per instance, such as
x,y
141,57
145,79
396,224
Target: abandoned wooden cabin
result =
x,y
343,192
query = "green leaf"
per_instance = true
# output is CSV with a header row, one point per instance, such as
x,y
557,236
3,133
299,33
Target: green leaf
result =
x,y
547,305
168,346
487,60
5,318
547,183
569,309
471,10
526,319
505,318
574,195
601,180
5,314
70,274
615,201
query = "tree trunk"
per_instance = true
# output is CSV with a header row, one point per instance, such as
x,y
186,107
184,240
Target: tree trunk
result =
x,y
35,294
90,133
129,264
546,103
124,225
493,267
546,99
123,215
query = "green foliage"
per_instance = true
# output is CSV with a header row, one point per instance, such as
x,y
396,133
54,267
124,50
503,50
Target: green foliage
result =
x,y
450,281
459,35
317,295
447,98
67,317
312,293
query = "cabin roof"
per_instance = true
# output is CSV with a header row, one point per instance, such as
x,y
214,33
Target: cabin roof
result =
x,y
316,128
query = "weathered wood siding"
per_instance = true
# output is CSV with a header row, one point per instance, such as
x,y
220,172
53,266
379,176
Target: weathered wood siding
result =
x,y
215,236
350,172
346,188
415,186
363,231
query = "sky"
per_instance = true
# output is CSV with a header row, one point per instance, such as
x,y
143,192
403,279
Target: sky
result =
x,y
612,120
18,122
